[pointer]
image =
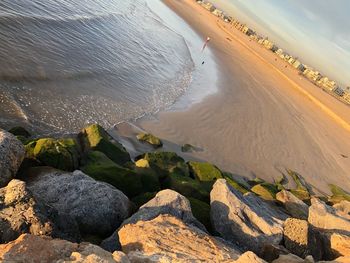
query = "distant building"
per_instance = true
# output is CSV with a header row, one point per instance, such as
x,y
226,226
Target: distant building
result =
x,y
291,60
346,95
296,64
246,30
279,52
326,83
218,12
339,91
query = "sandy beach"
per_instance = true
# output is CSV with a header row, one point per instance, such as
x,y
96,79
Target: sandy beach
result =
x,y
264,118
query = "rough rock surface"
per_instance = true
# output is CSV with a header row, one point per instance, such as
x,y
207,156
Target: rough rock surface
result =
x,y
338,245
343,209
169,238
295,207
30,248
21,213
325,217
244,219
290,258
249,257
301,239
165,202
11,156
98,207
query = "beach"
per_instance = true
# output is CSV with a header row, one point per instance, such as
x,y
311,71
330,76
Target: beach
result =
x,y
263,119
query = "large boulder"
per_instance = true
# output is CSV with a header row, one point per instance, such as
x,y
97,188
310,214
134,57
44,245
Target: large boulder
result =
x,y
11,156
165,202
62,154
204,171
246,219
21,213
301,239
325,217
98,207
30,248
169,239
100,167
332,227
95,138
338,245
295,207
165,163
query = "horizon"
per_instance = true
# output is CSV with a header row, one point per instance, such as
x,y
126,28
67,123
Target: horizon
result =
x,y
319,35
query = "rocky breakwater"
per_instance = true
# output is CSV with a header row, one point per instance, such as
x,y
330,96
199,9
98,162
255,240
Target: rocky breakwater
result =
x,y
83,199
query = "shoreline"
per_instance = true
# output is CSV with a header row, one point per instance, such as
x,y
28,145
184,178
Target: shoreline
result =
x,y
257,123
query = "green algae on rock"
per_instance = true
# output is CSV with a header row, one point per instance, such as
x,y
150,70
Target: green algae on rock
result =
x,y
265,191
187,148
165,163
100,167
95,138
235,184
187,187
204,171
62,154
150,138
201,211
338,194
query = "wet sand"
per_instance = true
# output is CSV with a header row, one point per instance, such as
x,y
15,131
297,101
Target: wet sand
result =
x,y
264,118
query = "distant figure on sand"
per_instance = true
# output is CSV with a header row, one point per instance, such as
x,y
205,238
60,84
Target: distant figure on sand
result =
x,y
205,43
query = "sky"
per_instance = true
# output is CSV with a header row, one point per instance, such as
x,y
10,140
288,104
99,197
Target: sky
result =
x,y
315,31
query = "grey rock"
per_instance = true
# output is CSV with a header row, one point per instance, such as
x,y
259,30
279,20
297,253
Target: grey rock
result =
x,y
21,213
295,207
325,217
343,209
98,207
165,202
169,239
11,156
245,220
29,248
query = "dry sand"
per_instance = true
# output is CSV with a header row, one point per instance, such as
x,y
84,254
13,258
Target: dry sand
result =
x,y
264,118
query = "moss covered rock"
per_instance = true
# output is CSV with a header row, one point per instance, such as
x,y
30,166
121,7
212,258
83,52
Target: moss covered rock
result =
x,y
95,138
338,194
149,179
255,181
204,171
187,148
187,187
235,184
62,154
301,191
150,139
165,163
201,211
100,167
265,190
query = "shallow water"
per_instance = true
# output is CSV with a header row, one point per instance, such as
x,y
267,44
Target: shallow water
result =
x,y
64,64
